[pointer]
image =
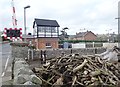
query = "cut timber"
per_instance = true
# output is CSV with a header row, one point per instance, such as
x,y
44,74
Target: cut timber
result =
x,y
80,70
59,81
80,66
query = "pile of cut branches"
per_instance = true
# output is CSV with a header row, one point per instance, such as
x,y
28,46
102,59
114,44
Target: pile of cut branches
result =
x,y
78,70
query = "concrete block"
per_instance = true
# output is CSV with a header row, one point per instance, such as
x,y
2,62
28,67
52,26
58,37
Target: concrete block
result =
x,y
35,79
24,70
21,79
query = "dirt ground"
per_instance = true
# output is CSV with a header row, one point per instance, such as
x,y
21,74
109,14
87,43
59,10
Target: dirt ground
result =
x,y
34,63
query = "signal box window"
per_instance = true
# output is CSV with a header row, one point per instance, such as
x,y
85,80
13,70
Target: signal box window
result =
x,y
48,45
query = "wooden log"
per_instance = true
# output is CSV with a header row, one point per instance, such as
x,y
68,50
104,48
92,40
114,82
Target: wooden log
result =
x,y
59,81
95,73
100,79
112,81
74,80
50,78
80,83
80,66
113,75
45,81
98,58
80,70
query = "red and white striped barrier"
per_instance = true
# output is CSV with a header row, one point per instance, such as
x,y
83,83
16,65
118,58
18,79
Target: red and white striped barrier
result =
x,y
14,16
12,37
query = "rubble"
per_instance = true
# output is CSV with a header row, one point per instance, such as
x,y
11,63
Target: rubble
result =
x,y
111,54
81,70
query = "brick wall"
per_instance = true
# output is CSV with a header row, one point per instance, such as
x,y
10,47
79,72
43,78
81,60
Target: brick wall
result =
x,y
42,42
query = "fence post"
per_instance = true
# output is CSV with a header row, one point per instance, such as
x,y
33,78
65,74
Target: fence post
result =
x,y
71,51
41,59
13,62
28,54
32,53
93,44
95,50
44,53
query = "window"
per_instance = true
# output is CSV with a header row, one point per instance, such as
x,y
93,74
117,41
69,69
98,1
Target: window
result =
x,y
48,44
41,29
47,29
53,29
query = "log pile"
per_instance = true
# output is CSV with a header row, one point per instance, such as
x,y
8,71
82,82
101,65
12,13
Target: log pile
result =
x,y
78,70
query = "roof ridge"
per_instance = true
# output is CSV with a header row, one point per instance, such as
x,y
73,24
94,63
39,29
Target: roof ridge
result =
x,y
44,19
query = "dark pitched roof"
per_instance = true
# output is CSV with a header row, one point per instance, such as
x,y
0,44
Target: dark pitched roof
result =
x,y
81,34
46,22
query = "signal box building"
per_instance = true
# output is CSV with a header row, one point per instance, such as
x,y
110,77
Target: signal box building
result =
x,y
46,33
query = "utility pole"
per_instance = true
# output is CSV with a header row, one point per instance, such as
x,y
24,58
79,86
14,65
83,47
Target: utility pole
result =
x,y
118,24
25,19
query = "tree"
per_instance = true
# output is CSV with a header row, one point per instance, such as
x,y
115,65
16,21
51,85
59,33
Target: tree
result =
x,y
64,34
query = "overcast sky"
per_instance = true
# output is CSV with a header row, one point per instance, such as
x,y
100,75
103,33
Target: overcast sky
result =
x,y
97,16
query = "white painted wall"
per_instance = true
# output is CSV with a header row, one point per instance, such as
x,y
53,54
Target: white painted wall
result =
x,y
109,45
79,45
